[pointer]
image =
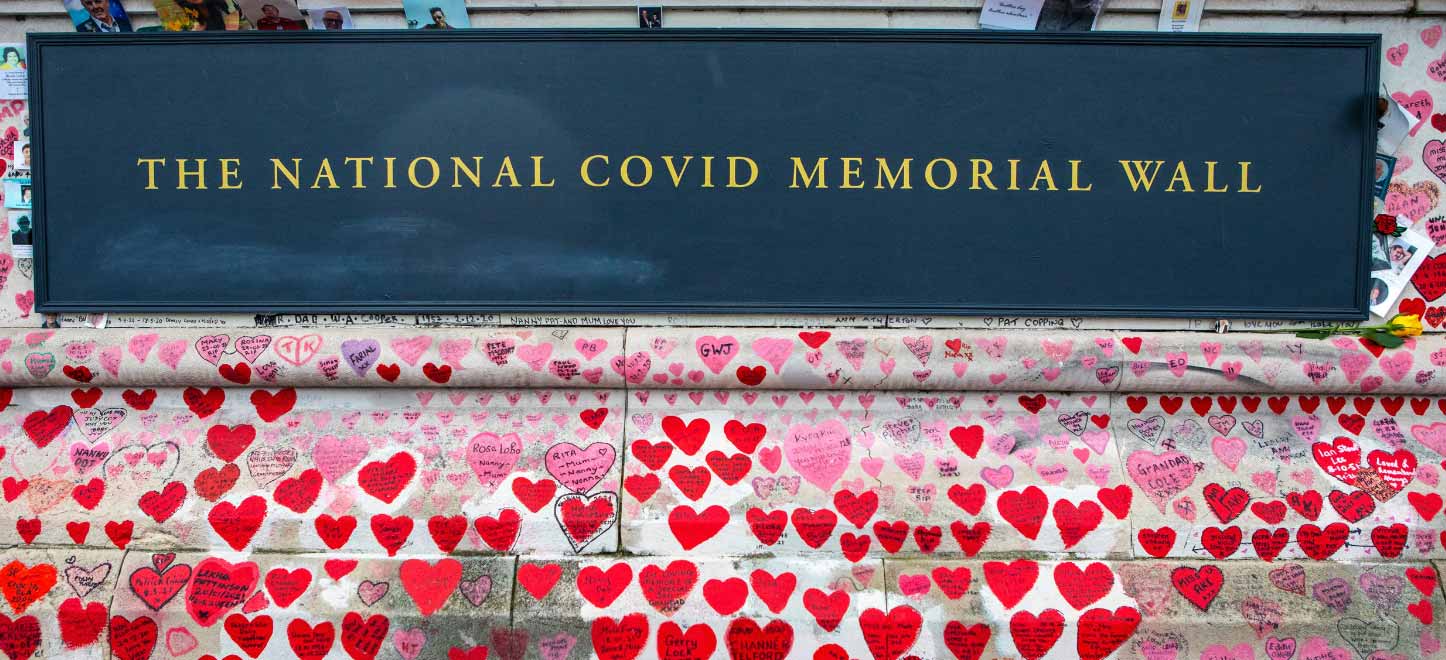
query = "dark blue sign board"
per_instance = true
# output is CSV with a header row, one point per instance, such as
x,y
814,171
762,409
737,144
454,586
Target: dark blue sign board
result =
x,y
855,171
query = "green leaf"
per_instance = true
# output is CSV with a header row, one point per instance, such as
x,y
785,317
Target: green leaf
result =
x,y
1385,339
1313,334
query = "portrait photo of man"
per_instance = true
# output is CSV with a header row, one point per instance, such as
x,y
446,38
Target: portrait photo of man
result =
x,y
435,14
330,18
98,16
273,15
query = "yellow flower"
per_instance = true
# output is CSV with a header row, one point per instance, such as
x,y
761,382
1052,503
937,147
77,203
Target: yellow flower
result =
x,y
1406,325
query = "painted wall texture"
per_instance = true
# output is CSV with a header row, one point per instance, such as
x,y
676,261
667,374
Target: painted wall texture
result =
x,y
569,487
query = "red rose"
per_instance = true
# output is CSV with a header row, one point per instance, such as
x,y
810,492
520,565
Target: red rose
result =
x,y
1386,224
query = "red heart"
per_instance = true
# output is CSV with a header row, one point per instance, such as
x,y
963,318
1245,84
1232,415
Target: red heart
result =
x,y
697,643
1200,587
1307,503
828,609
533,495
228,442
204,404
437,374
653,455
744,437
334,532
688,436
270,407
240,373
389,372
310,642
1117,500
1076,522
299,493
970,499
251,635
131,639
1226,504
119,533
767,526
601,587
237,524
1268,544
889,635
43,427
1353,506
89,494
622,639
968,439
730,469
1221,543
386,480
85,398
211,484
771,642
501,532
1102,631
431,584
1389,540
285,586
447,531
773,591
814,527
1034,635
1156,542
691,482
692,528
80,623
156,587
1320,544
966,642
971,538
1430,278
1025,511
1010,582
642,486
667,589
726,596
857,509
218,586
891,534
1081,588
139,400
538,579
752,377
954,582
362,638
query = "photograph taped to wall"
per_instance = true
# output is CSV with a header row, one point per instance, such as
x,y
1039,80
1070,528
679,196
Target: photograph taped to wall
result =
x,y
1392,127
1010,14
17,192
98,16
1394,259
273,15
21,234
1069,15
1181,16
199,15
330,18
435,14
1385,168
14,81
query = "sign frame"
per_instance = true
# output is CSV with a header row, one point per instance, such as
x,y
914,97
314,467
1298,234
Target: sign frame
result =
x,y
39,43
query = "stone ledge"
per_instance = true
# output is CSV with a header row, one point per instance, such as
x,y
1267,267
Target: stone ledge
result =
x,y
722,358
144,605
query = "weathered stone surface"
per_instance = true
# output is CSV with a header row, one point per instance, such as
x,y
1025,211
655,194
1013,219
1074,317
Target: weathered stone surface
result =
x,y
268,605
351,471
1160,609
873,474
